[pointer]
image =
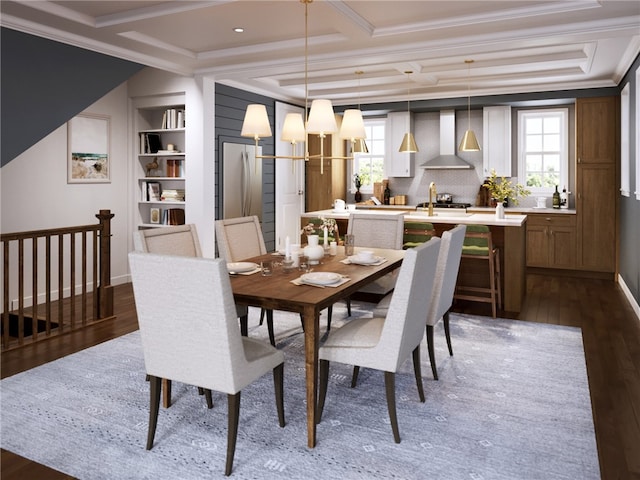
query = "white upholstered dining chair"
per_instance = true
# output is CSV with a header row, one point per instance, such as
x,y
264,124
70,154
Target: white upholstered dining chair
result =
x,y
181,240
385,343
376,230
189,334
446,275
238,239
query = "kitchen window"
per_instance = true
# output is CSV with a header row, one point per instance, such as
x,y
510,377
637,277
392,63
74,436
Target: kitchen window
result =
x,y
543,158
370,165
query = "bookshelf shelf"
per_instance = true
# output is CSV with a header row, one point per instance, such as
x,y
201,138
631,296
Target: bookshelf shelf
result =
x,y
160,166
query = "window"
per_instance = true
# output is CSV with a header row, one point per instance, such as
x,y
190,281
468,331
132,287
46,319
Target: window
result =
x,y
370,165
543,158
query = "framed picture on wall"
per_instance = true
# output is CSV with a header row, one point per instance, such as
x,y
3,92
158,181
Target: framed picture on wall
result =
x,y
88,144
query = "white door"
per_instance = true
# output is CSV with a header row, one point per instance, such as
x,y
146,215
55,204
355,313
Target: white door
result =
x,y
289,182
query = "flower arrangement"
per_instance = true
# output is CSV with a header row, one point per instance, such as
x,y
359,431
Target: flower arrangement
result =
x,y
502,189
357,180
317,229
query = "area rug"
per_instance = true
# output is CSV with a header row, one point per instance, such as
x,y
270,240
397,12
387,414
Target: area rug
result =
x,y
512,403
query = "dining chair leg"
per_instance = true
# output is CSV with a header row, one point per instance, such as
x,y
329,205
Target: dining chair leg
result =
x,y
418,372
390,386
272,337
349,307
166,393
262,312
244,325
154,406
278,384
329,313
324,380
354,376
447,332
209,398
232,431
430,349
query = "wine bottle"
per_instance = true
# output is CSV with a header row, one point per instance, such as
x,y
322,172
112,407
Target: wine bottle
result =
x,y
386,195
556,198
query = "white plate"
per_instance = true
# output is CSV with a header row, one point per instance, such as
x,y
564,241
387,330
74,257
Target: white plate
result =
x,y
361,261
240,267
321,278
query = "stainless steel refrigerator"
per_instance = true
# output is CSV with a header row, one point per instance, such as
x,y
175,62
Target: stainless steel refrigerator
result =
x,y
242,181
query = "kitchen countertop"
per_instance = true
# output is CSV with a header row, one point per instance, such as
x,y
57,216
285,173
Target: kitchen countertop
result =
x,y
512,220
527,210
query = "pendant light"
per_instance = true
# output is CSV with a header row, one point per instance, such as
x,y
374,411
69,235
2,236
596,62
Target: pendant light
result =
x,y
469,141
352,128
408,142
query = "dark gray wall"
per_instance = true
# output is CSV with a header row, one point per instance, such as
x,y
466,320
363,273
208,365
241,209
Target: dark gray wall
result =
x,y
46,83
230,105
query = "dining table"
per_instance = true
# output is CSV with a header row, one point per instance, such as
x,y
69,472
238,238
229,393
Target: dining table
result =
x,y
278,292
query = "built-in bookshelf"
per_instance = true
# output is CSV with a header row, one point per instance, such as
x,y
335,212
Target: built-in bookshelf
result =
x,y
161,166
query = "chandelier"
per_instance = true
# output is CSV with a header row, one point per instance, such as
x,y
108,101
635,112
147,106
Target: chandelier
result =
x,y
319,120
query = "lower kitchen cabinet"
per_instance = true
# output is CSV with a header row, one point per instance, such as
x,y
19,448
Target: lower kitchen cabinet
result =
x,y
551,241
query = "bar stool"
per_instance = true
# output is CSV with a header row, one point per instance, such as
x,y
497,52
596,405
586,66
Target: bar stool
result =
x,y
416,233
478,245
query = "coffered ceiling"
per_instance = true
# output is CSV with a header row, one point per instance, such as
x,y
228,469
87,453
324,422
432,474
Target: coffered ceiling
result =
x,y
517,46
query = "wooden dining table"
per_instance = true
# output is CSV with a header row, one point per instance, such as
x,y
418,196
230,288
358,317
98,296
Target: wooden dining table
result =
x,y
276,292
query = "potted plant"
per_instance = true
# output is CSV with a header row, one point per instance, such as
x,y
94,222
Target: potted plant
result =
x,y
503,190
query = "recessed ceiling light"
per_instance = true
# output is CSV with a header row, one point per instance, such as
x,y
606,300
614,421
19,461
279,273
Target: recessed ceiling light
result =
x,y
238,29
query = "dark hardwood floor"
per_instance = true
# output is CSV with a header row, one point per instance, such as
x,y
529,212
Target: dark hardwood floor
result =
x,y
611,336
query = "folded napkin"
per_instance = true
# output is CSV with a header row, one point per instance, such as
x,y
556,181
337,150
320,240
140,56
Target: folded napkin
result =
x,y
380,261
299,281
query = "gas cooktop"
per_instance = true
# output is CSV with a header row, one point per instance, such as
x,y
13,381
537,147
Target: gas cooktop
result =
x,y
444,205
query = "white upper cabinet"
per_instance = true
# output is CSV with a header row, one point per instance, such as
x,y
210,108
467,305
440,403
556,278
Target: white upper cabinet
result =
x,y
398,164
496,145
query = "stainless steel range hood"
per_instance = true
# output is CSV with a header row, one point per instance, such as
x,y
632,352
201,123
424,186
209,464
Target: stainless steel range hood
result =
x,y
447,158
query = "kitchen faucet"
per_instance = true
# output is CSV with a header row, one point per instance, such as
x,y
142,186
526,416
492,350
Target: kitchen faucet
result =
x,y
432,193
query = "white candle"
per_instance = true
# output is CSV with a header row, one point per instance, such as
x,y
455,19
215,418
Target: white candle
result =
x,y
287,247
326,240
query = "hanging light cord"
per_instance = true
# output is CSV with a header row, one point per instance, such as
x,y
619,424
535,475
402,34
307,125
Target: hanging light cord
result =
x,y
408,90
468,62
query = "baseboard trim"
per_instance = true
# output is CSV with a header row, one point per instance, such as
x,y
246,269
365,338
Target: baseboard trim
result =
x,y
630,298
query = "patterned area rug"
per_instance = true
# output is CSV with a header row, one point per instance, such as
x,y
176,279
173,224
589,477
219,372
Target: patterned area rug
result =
x,y
512,403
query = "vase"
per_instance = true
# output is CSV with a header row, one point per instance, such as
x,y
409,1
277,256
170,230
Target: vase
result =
x,y
358,196
313,250
500,211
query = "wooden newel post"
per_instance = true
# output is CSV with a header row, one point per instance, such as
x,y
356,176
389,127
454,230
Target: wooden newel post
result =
x,y
105,297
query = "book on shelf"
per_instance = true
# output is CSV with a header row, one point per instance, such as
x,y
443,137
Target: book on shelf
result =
x,y
173,118
174,168
173,216
172,195
150,143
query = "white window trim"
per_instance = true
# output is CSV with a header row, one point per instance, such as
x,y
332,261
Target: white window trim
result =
x,y
564,162
364,189
625,150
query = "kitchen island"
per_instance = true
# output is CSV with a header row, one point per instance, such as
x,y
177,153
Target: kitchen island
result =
x,y
509,235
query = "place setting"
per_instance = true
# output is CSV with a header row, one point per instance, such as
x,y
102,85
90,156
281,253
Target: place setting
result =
x,y
365,257
243,268
321,279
